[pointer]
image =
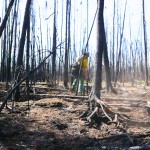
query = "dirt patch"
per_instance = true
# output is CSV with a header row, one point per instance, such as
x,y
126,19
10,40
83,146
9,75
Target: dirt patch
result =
x,y
53,123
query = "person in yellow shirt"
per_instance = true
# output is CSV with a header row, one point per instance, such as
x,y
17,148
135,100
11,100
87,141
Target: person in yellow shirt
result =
x,y
83,74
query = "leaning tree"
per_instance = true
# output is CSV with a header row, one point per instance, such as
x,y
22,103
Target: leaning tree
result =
x,y
4,22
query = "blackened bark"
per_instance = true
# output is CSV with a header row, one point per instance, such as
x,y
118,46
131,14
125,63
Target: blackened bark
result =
x,y
66,79
3,25
98,57
27,53
107,68
54,47
145,45
23,35
10,49
3,63
113,53
15,42
21,47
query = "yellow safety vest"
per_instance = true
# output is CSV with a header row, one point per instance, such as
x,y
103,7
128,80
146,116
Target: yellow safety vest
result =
x,y
84,63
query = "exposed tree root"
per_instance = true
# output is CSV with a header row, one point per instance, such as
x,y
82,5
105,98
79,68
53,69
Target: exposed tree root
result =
x,y
98,112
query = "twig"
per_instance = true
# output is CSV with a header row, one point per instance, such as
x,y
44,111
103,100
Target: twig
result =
x,y
49,16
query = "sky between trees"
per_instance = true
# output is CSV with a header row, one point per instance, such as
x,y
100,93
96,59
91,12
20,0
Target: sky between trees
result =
x,y
133,20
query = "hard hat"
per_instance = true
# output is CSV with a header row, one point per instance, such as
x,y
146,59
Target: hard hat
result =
x,y
86,53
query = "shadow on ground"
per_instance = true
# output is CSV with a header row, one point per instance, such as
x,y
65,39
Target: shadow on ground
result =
x,y
15,135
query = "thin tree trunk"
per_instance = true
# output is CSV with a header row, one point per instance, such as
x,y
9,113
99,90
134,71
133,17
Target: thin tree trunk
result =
x,y
113,53
15,41
87,14
54,47
41,73
27,52
145,45
3,63
69,32
107,68
74,35
66,47
119,55
60,60
10,49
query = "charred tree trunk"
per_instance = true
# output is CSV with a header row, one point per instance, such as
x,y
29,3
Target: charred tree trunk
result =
x,y
15,42
61,57
69,27
100,43
54,47
120,46
66,50
113,53
74,55
3,63
10,49
27,52
33,42
87,13
107,68
66,78
145,45
21,47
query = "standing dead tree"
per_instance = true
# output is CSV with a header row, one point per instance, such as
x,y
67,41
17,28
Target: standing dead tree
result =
x,y
8,75
21,47
98,112
27,53
120,46
67,43
3,54
54,47
109,86
113,53
145,45
99,52
15,41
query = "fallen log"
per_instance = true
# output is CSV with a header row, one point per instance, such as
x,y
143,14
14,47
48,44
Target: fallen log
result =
x,y
46,88
36,83
85,97
135,123
128,105
123,99
39,96
49,88
71,98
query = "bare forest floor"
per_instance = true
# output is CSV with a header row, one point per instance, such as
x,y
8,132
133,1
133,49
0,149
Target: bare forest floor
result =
x,y
54,123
